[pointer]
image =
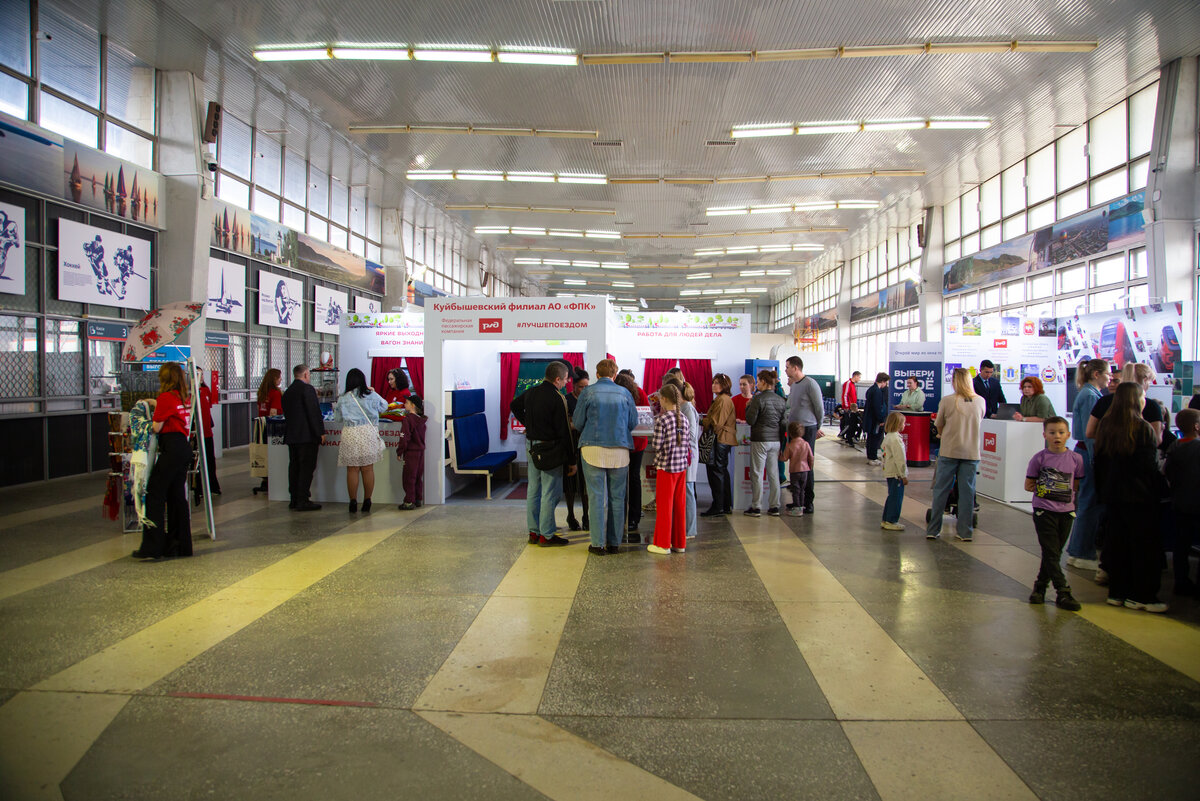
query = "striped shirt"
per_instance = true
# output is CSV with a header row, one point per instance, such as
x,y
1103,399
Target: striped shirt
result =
x,y
672,445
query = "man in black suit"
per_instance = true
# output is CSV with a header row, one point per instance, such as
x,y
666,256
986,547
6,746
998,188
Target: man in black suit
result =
x,y
987,386
304,435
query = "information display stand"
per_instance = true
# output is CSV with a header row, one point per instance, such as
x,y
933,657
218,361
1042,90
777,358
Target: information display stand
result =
x,y
1007,448
916,437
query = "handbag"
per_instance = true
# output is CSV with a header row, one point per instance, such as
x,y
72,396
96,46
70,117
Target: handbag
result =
x,y
379,444
258,450
547,454
708,442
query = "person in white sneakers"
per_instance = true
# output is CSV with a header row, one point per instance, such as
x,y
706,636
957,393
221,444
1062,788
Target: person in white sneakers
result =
x,y
895,470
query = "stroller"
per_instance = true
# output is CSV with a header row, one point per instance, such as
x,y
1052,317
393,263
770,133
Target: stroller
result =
x,y
952,503
851,424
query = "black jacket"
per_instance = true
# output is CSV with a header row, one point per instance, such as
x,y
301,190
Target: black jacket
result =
x,y
875,407
302,414
543,412
992,394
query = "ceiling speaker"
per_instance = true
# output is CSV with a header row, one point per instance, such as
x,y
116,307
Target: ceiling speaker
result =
x,y
212,123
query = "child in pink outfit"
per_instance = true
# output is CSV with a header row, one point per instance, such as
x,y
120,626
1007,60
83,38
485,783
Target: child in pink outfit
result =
x,y
799,457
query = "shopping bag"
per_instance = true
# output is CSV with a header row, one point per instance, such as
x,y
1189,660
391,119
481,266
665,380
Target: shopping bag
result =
x,y
258,451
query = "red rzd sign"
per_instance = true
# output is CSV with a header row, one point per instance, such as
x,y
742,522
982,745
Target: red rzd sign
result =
x,y
491,325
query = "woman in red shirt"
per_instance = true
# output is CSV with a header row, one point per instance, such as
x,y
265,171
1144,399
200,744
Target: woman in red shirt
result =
x,y
398,387
270,399
207,400
166,490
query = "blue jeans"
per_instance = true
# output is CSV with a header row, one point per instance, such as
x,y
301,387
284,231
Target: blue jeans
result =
x,y
1089,510
691,509
948,471
606,501
894,502
545,491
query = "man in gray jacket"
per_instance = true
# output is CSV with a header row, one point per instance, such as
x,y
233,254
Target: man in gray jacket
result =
x,y
806,408
766,413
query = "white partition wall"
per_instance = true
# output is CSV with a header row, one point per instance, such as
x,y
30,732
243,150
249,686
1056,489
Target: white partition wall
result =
x,y
495,320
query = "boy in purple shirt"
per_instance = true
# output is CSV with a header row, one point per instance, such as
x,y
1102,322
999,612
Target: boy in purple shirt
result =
x,y
1053,477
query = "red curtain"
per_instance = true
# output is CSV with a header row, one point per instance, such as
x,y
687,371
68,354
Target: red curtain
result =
x,y
416,373
380,367
698,373
655,370
576,361
510,366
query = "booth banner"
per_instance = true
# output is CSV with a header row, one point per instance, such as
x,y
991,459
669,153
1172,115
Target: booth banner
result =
x,y
1108,227
1017,346
109,184
686,324
806,329
513,318
367,305
12,249
919,360
885,301
244,232
103,267
363,337
279,301
1153,335
226,291
329,307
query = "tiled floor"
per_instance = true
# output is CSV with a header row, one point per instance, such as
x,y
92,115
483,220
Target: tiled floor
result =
x,y
433,654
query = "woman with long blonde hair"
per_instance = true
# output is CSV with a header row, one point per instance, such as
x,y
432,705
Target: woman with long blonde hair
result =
x,y
958,419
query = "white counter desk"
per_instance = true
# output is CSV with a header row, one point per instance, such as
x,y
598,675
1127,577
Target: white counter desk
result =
x,y
329,480
1005,453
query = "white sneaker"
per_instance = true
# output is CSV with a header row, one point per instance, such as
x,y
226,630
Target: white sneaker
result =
x,y
875,462
1101,578
891,526
796,511
1083,564
655,549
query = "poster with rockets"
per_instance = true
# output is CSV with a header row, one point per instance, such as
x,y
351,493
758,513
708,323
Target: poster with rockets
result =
x,y
329,307
104,267
12,249
279,301
226,291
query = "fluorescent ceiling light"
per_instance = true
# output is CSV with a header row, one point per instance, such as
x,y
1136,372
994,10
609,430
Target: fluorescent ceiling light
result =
x,y
528,231
770,209
750,132
722,211
371,53
893,125
492,229
711,291
710,252
743,249
574,282
430,175
566,232
480,175
808,246
751,273
527,261
603,234
699,276
958,123
556,262
622,284
296,54
826,128
816,205
551,59
442,54
689,292
615,265
755,289
774,248
564,294
531,177
581,178
779,272
723,303
575,263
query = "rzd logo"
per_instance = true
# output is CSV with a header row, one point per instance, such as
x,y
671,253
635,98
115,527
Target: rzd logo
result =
x,y
491,325
989,443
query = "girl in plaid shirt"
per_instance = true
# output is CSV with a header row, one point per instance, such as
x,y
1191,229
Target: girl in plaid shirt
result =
x,y
672,451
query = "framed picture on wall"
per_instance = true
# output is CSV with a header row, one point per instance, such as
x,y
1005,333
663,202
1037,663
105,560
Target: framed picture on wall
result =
x,y
12,249
279,301
226,291
104,267
329,308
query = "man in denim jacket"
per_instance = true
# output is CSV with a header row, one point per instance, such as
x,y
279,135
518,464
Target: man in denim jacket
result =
x,y
605,417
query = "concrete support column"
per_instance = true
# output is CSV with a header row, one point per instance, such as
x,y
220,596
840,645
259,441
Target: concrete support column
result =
x,y
843,326
188,197
932,268
1172,200
394,266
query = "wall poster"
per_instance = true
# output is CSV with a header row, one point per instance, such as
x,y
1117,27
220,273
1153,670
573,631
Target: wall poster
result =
x,y
279,301
226,291
12,249
104,267
329,308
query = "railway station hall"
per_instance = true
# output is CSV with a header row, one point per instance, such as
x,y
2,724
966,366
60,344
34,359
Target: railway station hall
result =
x,y
600,399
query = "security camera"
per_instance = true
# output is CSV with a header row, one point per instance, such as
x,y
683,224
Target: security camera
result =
x,y
210,163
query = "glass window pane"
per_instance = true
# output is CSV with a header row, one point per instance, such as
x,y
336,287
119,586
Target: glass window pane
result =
x,y
1014,292
1072,279
989,298
293,217
970,211
339,203
1013,188
1138,295
1071,158
1041,216
268,158
953,219
234,191
70,121
318,192
374,225
1107,187
1072,202
953,251
1139,264
70,61
1014,227
266,205
19,351
358,245
1041,286
989,236
358,211
374,253
970,244
1104,301
1141,120
337,237
1108,270
14,35
129,95
989,201
1139,174
295,179
1040,176
233,149
1107,142
14,97
318,228
128,145
64,358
